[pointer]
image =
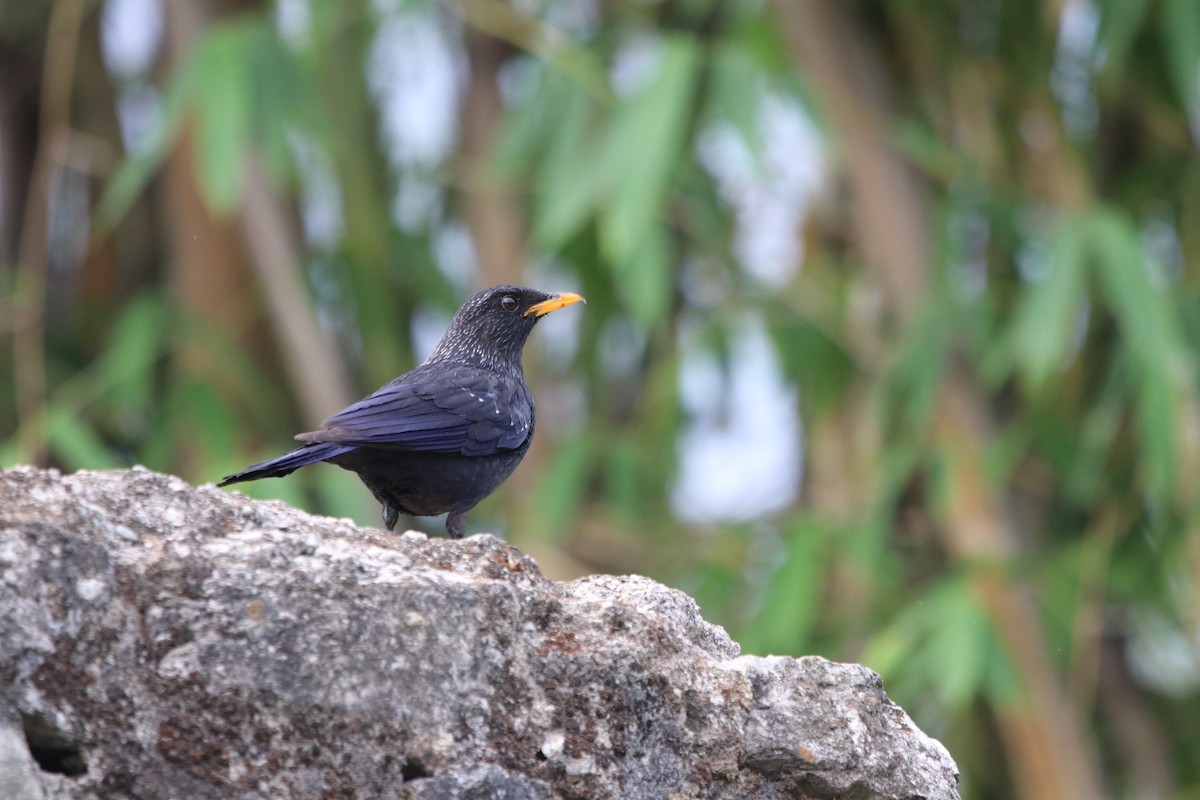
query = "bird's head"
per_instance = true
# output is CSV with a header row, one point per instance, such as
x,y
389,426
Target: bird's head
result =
x,y
490,328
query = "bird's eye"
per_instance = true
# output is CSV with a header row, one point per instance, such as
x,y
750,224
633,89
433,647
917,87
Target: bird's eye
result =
x,y
508,303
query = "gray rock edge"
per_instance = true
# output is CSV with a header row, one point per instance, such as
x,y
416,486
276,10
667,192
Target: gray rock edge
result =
x,y
161,641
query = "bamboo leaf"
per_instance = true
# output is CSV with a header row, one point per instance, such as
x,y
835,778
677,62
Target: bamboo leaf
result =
x,y
734,70
1181,47
909,395
793,597
138,340
224,110
75,442
643,148
814,361
1152,336
1048,316
891,649
1120,22
645,277
562,486
136,171
1093,446
959,644
623,479
282,102
569,179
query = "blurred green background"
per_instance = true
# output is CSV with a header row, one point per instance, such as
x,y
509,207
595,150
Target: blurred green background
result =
x,y
893,306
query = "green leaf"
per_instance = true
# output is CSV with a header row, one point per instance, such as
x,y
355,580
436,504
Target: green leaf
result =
x,y
224,113
959,644
1153,336
209,418
1120,22
624,485
643,148
1093,446
734,71
1156,410
814,361
232,370
793,598
136,171
569,178
138,339
526,131
74,442
1001,683
911,389
282,104
644,145
562,486
1181,47
943,641
1048,316
241,87
645,278
890,650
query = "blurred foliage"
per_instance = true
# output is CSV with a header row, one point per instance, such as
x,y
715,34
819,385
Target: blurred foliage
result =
x,y
1055,149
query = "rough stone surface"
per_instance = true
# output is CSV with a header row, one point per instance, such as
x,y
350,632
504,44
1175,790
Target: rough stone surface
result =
x,y
163,641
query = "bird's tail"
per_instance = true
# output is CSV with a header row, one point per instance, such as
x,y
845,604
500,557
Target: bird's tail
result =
x,y
287,464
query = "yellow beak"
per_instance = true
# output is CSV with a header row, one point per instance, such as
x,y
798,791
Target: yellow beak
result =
x,y
556,301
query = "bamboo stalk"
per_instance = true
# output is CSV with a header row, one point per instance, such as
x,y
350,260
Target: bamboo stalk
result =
x,y
29,331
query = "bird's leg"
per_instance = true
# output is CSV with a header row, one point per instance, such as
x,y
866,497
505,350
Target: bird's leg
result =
x,y
391,515
456,524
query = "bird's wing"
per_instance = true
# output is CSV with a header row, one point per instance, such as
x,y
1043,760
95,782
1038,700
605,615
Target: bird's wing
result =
x,y
462,411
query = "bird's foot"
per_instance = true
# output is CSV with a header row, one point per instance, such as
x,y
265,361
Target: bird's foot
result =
x,y
456,524
391,515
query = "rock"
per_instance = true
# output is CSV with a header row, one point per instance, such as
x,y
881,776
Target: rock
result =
x,y
163,641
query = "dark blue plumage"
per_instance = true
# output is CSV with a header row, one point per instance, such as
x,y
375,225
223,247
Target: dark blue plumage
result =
x,y
443,436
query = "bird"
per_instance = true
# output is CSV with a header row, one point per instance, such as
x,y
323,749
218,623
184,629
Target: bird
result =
x,y
446,434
